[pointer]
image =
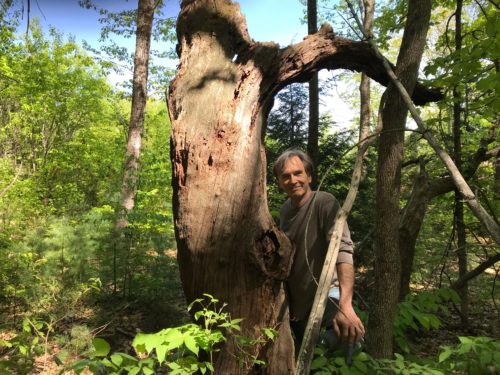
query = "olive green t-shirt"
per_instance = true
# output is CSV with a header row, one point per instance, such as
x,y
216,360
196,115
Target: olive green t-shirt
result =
x,y
293,220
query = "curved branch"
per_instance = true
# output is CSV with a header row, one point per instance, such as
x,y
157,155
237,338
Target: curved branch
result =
x,y
325,50
476,271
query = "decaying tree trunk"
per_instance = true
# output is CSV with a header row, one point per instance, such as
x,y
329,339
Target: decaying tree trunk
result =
x,y
228,244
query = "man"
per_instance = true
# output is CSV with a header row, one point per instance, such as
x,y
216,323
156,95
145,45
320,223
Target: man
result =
x,y
311,213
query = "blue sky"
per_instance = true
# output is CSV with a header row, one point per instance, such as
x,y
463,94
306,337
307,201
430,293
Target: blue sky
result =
x,y
267,20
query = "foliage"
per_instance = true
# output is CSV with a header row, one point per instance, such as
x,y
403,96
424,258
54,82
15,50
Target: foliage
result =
x,y
419,311
473,355
113,55
24,347
186,349
62,138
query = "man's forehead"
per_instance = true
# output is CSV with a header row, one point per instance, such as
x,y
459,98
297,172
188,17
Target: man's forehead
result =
x,y
292,163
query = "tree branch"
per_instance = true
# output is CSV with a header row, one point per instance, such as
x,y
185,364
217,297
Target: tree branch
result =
x,y
325,50
7,188
476,271
311,333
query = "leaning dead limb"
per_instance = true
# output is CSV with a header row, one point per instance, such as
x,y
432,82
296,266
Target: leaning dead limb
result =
x,y
469,197
311,333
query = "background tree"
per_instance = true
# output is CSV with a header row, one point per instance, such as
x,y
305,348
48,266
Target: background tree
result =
x,y
313,130
390,154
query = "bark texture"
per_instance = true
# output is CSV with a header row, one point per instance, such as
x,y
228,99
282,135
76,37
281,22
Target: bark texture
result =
x,y
228,244
394,111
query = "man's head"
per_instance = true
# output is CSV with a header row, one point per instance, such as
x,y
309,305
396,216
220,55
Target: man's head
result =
x,y
294,170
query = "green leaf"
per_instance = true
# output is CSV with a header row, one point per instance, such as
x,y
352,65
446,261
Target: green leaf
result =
x,y
318,363
465,340
148,341
117,359
444,355
191,344
174,338
101,347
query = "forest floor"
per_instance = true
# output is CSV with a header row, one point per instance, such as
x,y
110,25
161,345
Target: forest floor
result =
x,y
118,320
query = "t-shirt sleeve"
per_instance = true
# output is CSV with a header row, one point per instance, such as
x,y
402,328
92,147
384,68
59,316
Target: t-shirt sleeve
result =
x,y
331,207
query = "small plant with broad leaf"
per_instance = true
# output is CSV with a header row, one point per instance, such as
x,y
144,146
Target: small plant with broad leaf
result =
x,y
419,311
187,349
474,355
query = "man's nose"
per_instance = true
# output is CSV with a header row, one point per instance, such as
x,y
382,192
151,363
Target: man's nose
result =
x,y
293,179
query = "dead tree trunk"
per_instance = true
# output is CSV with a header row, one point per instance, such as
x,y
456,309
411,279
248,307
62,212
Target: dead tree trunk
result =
x,y
228,244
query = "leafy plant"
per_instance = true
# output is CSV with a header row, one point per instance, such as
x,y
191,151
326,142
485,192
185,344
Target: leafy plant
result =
x,y
419,311
187,349
474,355
24,347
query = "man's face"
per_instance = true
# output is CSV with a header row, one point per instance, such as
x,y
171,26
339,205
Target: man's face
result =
x,y
295,181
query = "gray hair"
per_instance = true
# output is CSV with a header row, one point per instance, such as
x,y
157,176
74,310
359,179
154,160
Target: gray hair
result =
x,y
290,153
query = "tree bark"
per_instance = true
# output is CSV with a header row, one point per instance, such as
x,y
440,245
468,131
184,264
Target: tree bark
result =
x,y
228,244
145,12
313,129
387,266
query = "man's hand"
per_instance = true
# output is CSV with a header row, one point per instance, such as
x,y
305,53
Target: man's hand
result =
x,y
347,325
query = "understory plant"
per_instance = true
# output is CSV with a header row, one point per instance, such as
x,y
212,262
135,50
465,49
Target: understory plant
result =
x,y
471,356
186,349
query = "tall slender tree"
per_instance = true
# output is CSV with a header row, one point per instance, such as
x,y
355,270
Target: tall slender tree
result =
x,y
457,146
364,86
145,13
313,130
390,155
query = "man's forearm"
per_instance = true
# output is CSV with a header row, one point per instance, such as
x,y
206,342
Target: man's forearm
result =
x,y
345,273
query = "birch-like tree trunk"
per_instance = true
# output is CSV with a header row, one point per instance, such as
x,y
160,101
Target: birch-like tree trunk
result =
x,y
145,13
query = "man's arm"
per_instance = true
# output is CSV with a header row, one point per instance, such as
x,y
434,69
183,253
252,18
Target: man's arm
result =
x,y
346,323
